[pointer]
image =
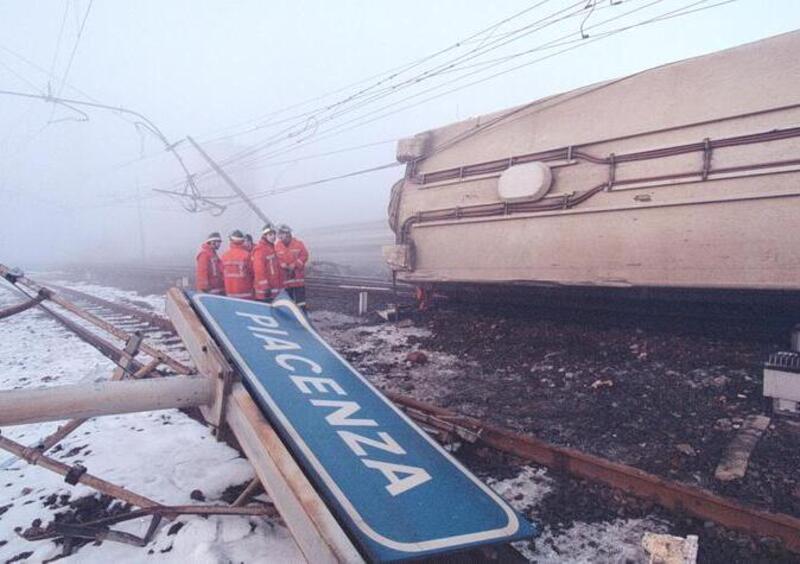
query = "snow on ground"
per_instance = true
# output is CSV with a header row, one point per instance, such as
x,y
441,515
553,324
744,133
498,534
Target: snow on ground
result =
x,y
613,541
525,491
163,455
380,351
617,541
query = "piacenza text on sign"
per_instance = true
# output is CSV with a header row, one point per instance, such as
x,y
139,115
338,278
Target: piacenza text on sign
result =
x,y
324,392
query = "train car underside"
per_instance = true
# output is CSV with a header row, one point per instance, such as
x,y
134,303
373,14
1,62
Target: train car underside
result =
x,y
684,180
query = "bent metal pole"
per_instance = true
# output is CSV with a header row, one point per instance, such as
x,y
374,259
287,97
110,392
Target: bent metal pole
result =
x,y
56,403
229,181
35,456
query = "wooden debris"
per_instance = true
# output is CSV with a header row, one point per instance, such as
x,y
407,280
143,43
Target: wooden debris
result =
x,y
667,549
253,488
131,350
734,462
146,370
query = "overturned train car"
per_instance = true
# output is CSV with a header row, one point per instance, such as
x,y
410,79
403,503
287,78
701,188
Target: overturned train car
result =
x,y
686,176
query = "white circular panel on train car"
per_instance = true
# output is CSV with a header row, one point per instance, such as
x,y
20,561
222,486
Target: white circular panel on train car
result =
x,y
528,182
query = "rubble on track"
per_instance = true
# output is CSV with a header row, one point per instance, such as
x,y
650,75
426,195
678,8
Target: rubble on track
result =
x,y
663,395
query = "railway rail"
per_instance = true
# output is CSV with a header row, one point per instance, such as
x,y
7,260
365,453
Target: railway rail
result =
x,y
148,321
326,281
448,425
670,495
772,310
104,310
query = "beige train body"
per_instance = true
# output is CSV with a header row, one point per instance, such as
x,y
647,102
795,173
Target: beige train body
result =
x,y
716,205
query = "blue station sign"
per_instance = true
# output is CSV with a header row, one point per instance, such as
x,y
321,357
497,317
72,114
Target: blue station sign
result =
x,y
395,491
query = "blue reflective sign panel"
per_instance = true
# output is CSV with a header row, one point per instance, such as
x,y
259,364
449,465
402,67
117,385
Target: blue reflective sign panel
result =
x,y
395,491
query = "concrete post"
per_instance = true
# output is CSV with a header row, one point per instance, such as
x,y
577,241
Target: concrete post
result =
x,y
56,403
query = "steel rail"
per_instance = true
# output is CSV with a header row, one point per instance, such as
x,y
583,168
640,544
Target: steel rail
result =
x,y
165,358
671,495
107,349
149,317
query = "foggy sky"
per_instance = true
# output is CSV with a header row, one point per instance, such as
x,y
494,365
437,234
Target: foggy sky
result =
x,y
80,190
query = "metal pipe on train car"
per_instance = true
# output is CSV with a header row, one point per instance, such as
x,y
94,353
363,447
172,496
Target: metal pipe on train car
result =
x,y
56,403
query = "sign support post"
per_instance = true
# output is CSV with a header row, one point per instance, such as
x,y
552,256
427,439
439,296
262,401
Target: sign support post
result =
x,y
318,535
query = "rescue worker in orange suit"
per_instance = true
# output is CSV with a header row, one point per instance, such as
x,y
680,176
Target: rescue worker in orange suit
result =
x,y
208,274
248,243
293,256
237,269
267,271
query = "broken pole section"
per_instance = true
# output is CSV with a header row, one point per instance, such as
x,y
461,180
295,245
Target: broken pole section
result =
x,y
69,427
229,181
19,308
253,488
56,403
733,465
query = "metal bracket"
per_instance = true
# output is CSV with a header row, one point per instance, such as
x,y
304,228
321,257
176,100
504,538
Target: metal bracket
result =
x,y
13,275
74,474
707,149
612,171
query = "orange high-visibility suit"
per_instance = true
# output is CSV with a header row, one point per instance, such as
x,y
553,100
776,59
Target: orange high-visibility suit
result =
x,y
267,271
208,275
238,271
293,258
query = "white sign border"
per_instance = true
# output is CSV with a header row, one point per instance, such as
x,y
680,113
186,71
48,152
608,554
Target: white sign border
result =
x,y
509,529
